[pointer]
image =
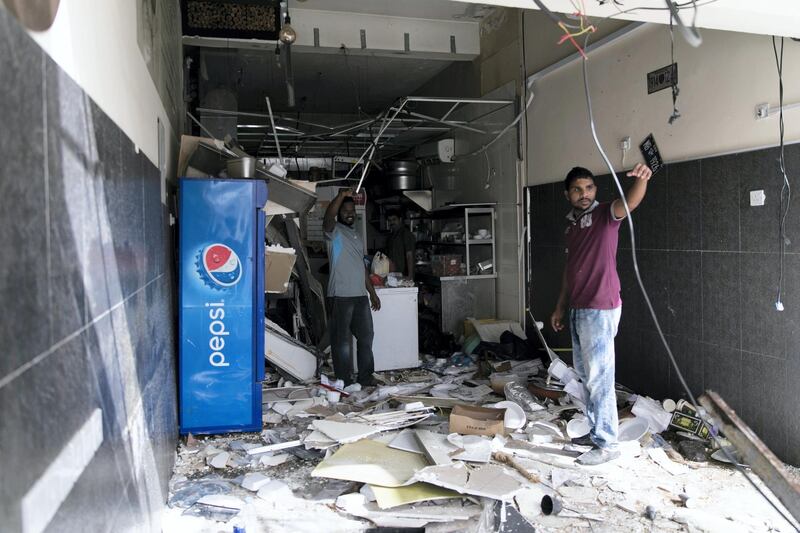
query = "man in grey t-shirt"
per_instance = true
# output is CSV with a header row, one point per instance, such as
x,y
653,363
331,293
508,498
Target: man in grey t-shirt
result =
x,y
349,287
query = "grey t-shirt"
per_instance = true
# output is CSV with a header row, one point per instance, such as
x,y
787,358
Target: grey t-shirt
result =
x,y
346,256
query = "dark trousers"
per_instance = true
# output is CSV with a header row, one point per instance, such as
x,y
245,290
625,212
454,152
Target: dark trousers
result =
x,y
351,317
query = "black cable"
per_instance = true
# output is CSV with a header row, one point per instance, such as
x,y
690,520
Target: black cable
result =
x,y
786,187
685,386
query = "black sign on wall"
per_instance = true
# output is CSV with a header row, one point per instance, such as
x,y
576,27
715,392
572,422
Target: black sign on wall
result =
x,y
652,157
232,19
663,78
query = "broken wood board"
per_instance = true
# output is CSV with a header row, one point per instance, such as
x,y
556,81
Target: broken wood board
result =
x,y
388,497
754,452
490,481
367,461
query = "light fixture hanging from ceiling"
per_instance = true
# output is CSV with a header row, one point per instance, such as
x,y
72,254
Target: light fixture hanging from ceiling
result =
x,y
287,35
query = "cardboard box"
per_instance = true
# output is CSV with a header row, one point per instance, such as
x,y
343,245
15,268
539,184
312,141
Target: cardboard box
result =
x,y
471,420
279,264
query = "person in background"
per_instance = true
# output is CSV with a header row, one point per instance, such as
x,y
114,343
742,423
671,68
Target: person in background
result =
x,y
350,290
590,290
400,244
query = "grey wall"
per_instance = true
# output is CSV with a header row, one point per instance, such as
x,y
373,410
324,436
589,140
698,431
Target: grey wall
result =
x,y
710,263
465,181
88,290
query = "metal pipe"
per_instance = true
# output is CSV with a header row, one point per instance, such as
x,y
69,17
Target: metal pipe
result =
x,y
366,168
454,100
445,122
211,135
377,137
274,133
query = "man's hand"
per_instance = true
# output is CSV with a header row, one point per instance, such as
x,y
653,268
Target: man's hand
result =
x,y
375,301
640,171
636,193
346,193
555,320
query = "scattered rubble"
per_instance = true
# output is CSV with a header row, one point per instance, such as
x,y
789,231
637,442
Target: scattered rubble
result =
x,y
438,448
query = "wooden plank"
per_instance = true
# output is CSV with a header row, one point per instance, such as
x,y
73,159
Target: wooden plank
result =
x,y
754,452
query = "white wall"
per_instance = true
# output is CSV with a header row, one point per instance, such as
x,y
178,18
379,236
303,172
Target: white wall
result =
x,y
720,84
96,44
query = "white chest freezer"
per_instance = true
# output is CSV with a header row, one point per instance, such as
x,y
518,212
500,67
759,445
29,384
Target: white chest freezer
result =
x,y
396,342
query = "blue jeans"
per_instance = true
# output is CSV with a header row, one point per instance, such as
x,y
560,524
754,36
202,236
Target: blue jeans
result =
x,y
593,332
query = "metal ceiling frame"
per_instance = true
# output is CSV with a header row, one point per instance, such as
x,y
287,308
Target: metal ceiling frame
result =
x,y
399,129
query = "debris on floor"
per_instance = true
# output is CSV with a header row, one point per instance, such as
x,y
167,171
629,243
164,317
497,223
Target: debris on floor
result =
x,y
470,445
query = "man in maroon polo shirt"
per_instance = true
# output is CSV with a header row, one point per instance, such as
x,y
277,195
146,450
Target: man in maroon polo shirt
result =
x,y
590,287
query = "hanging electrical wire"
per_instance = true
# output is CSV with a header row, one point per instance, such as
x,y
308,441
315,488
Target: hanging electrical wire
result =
x,y
582,28
786,188
674,363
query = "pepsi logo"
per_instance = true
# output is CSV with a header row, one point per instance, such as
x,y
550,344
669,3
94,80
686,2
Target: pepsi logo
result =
x,y
221,265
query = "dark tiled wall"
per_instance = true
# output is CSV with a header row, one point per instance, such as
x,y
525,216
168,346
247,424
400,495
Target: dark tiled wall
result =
x,y
88,289
710,263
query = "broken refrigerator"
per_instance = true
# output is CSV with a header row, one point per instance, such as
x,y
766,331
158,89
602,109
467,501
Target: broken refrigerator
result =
x,y
221,304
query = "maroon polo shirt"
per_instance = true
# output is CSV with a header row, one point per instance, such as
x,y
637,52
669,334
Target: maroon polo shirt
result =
x,y
592,238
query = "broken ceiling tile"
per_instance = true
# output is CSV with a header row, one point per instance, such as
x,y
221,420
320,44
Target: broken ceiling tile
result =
x,y
435,447
219,460
388,497
406,441
254,481
319,440
416,517
345,432
474,448
274,460
274,491
490,481
371,462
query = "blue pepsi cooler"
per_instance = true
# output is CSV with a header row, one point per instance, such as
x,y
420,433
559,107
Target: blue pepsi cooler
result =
x,y
221,322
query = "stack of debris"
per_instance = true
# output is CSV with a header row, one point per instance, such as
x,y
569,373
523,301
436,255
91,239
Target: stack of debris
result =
x,y
450,449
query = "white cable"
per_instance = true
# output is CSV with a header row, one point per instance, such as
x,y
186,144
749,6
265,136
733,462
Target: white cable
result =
x,y
504,130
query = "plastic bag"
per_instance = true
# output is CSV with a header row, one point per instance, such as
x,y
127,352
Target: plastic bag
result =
x,y
380,265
